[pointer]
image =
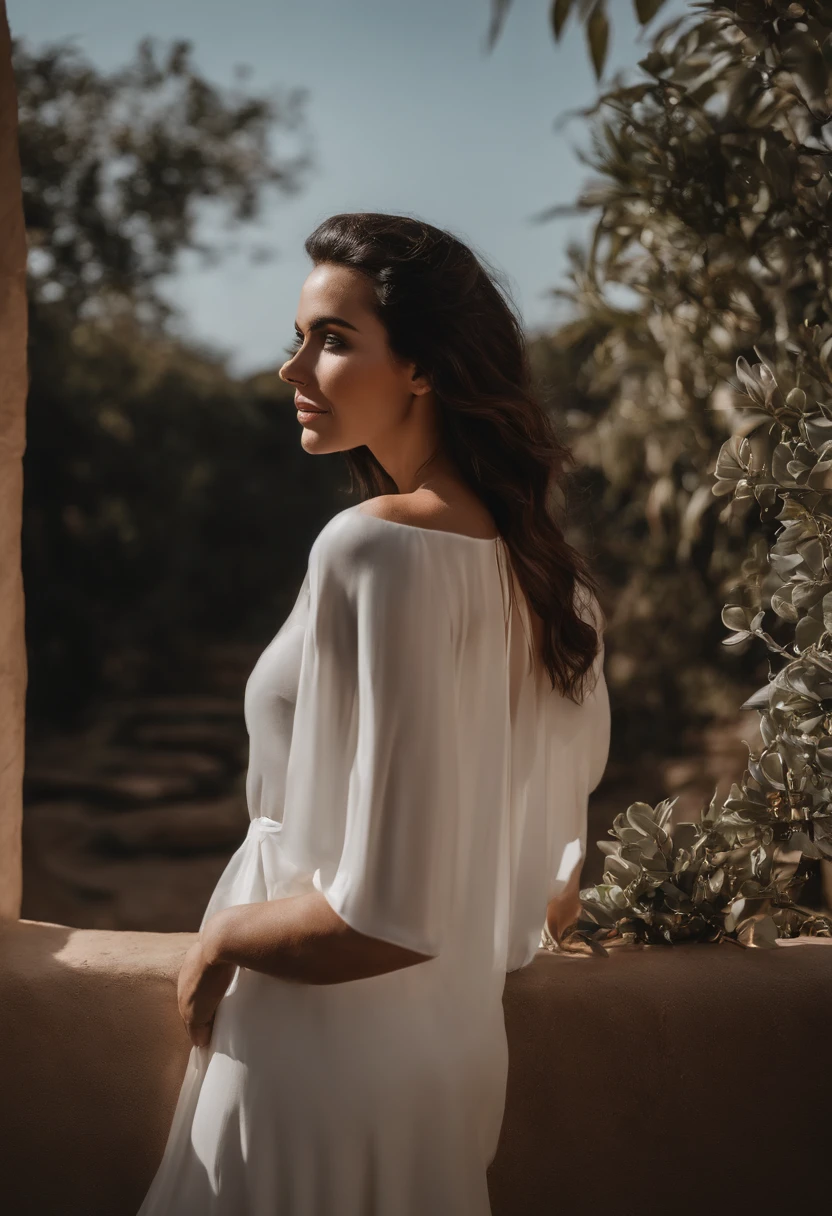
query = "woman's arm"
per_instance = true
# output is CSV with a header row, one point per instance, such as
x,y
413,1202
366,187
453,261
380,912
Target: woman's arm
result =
x,y
298,938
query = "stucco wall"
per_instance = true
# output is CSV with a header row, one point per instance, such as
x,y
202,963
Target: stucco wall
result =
x,y
13,389
689,1080
93,1052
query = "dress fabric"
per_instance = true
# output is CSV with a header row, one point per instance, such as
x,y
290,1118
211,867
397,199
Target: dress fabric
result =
x,y
407,760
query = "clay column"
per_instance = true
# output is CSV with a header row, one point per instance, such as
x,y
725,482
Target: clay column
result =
x,y
13,389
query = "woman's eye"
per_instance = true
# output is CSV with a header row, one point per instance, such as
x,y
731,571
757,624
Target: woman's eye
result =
x,y
296,343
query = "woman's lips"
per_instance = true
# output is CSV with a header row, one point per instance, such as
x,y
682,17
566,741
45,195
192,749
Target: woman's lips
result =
x,y
307,413
306,409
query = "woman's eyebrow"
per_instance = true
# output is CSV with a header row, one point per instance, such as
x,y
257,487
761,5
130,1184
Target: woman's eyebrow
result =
x,y
319,322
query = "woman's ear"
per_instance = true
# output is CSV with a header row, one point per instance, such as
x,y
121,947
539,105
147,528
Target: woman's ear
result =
x,y
419,383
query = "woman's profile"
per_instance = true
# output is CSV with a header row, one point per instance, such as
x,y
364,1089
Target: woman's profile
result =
x,y
425,729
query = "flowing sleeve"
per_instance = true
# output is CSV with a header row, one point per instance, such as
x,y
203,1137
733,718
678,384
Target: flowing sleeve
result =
x,y
371,779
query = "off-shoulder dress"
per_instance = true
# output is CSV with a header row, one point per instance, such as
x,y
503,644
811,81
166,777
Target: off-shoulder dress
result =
x,y
408,760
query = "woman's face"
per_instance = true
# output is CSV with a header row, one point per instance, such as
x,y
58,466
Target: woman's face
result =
x,y
343,365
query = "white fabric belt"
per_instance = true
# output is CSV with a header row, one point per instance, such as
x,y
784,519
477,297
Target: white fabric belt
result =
x,y
262,825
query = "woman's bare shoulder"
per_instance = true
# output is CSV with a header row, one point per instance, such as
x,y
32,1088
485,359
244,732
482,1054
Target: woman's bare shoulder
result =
x,y
424,509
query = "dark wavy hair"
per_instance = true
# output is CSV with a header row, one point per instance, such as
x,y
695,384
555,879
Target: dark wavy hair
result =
x,y
444,311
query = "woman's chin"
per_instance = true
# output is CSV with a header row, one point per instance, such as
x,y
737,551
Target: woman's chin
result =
x,y
311,440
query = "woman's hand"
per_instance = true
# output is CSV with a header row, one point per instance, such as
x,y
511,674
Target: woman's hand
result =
x,y
199,991
565,908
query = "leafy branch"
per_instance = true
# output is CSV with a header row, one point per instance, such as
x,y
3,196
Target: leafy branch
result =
x,y
738,872
594,15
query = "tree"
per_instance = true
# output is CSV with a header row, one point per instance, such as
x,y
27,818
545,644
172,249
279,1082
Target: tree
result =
x,y
148,466
713,186
711,250
741,870
117,166
594,13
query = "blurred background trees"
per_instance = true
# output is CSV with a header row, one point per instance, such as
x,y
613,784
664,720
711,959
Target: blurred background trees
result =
x,y
162,494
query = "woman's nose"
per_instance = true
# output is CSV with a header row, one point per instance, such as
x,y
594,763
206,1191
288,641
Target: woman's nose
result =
x,y
284,373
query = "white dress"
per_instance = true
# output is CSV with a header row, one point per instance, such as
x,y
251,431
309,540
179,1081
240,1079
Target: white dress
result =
x,y
407,763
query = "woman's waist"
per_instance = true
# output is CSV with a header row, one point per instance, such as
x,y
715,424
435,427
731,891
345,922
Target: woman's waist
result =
x,y
260,869
263,868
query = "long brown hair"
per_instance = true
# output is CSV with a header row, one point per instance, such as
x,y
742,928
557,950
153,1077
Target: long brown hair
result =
x,y
444,311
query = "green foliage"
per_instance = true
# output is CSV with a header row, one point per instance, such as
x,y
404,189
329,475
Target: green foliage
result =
x,y
739,871
117,167
713,225
148,467
162,510
733,875
598,36
715,176
592,12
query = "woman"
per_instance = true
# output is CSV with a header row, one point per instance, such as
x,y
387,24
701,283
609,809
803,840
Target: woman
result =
x,y
423,741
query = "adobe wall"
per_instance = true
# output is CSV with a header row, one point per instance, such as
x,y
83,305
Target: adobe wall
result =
x,y
688,1079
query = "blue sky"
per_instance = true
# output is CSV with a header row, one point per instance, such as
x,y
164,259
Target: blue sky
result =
x,y
407,113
